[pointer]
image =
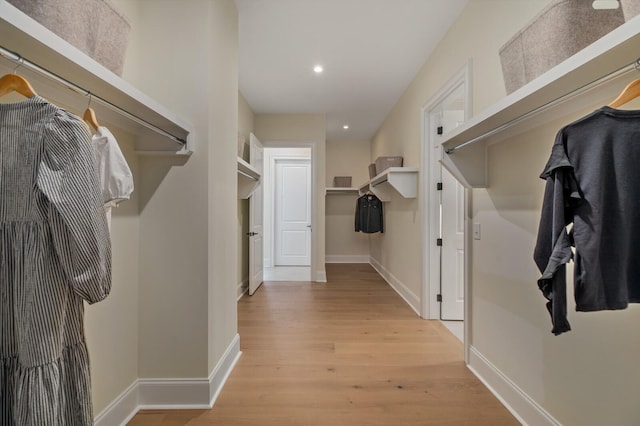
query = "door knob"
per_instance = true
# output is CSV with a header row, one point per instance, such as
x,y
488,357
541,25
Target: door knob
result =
x,y
252,234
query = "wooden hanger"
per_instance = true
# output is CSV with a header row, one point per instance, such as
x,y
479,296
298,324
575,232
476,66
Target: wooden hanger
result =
x,y
89,117
629,93
15,83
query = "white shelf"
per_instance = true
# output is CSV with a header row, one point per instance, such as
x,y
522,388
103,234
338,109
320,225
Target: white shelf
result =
x,y
340,191
403,180
248,179
26,37
612,52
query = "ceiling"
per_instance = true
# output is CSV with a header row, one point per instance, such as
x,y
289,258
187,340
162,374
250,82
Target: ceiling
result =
x,y
370,50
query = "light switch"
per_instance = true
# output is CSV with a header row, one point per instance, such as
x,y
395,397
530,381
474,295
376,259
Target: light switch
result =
x,y
476,231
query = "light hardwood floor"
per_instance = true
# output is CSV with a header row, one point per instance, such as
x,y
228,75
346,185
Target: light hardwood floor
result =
x,y
348,352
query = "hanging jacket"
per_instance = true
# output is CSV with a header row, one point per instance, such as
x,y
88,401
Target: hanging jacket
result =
x,y
369,214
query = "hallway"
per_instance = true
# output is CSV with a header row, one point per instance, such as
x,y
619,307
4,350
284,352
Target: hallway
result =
x,y
348,352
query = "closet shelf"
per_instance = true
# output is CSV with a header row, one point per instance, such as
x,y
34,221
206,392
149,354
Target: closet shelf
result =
x,y
115,101
340,191
593,74
403,180
248,179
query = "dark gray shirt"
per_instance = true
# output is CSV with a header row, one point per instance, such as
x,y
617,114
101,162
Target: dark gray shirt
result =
x,y
593,182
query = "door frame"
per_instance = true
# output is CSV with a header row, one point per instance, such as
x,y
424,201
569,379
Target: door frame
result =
x,y
274,186
316,275
430,307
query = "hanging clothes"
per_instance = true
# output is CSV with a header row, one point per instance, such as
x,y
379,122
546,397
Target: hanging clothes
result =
x,y
593,182
116,179
369,214
55,253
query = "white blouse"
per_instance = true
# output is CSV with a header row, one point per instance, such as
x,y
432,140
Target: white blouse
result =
x,y
116,180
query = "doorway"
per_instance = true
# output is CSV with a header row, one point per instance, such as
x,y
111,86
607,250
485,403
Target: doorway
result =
x,y
445,206
287,213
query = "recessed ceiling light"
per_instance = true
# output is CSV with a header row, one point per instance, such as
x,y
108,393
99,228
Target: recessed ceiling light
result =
x,y
346,127
318,69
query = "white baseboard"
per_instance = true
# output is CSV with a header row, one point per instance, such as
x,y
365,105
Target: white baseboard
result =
x,y
121,410
346,258
243,287
321,276
168,394
412,300
521,405
223,369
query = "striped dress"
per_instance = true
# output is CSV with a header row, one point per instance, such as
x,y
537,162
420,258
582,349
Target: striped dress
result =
x,y
55,253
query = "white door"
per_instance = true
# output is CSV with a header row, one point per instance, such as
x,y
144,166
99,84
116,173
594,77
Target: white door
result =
x,y
256,260
444,118
292,212
452,270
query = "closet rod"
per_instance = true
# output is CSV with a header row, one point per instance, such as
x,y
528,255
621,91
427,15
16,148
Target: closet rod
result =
x,y
20,61
617,73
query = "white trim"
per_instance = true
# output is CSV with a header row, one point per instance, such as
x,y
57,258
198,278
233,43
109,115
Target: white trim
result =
x,y
173,394
522,406
412,300
121,410
169,394
243,287
346,258
429,161
223,369
321,276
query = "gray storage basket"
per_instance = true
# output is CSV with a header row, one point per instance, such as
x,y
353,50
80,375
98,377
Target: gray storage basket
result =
x,y
559,31
383,163
342,181
93,26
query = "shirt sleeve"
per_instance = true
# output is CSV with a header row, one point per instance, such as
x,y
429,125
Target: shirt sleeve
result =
x,y
68,178
553,246
114,172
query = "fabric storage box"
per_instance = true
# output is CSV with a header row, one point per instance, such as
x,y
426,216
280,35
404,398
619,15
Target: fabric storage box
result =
x,y
383,163
342,181
372,170
93,26
560,30
630,8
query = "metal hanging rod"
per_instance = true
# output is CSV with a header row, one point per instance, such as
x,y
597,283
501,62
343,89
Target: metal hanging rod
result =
x,y
617,73
20,61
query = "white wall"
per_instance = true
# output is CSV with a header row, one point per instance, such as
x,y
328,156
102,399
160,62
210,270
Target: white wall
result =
x,y
302,129
588,376
111,326
184,235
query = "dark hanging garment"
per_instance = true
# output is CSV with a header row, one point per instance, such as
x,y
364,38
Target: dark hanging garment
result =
x,y
369,214
593,182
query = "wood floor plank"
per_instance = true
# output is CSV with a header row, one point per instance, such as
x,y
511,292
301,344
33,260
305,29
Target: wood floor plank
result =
x,y
348,352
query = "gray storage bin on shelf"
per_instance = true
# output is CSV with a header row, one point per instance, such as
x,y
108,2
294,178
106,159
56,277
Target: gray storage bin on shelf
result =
x,y
372,170
630,8
383,163
559,31
342,181
93,26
